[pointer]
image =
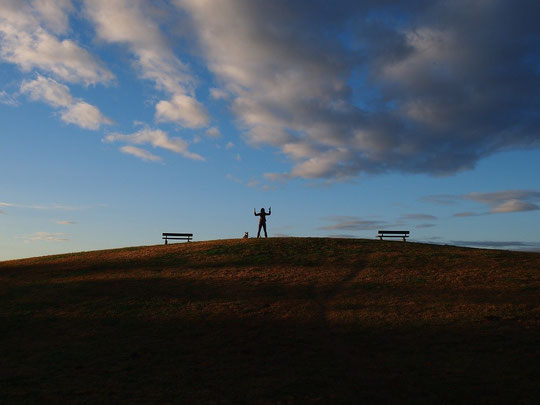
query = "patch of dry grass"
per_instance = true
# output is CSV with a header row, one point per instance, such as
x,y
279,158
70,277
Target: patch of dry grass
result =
x,y
272,321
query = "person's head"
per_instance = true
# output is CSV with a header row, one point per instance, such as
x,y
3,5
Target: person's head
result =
x,y
262,209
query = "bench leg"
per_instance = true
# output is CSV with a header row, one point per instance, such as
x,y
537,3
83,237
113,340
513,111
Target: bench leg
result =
x,y
165,240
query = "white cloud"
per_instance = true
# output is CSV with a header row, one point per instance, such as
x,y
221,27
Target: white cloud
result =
x,y
129,22
84,115
155,137
229,145
73,111
140,153
26,42
48,90
63,222
182,109
54,13
327,164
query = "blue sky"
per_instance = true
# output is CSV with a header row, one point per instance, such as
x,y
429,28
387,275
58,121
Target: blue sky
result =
x,y
122,119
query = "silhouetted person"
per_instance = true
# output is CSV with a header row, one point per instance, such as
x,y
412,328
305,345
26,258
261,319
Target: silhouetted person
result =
x,y
262,220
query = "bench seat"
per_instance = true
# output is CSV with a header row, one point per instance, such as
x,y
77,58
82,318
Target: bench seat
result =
x,y
181,236
393,234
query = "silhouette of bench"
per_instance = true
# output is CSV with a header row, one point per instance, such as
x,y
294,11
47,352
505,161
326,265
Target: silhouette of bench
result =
x,y
182,236
393,234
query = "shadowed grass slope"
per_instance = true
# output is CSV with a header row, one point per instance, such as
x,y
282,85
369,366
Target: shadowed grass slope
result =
x,y
281,320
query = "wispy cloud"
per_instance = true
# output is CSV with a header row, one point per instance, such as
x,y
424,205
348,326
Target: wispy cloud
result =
x,y
514,206
233,178
46,236
42,206
8,99
442,199
72,110
466,214
352,223
213,132
155,137
508,201
140,153
64,222
498,202
418,217
341,236
251,183
219,94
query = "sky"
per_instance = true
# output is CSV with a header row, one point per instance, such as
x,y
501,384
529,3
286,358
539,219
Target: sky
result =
x,y
123,119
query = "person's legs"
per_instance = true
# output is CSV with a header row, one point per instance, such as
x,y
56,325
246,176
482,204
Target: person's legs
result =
x,y
264,227
259,233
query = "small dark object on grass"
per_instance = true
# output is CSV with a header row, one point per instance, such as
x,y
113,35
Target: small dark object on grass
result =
x,y
246,235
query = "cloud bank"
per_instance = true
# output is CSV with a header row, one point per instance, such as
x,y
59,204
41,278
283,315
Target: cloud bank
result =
x,y
339,88
366,87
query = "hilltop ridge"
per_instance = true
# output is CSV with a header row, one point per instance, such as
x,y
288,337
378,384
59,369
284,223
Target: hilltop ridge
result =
x,y
272,321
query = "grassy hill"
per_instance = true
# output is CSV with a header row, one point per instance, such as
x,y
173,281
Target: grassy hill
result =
x,y
282,320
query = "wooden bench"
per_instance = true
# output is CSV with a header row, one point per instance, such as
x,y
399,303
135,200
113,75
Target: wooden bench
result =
x,y
393,234
182,236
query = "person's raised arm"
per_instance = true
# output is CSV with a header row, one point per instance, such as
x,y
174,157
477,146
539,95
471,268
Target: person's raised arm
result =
x,y
270,211
254,212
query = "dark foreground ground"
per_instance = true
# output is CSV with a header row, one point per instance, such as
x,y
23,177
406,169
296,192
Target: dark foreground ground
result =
x,y
285,320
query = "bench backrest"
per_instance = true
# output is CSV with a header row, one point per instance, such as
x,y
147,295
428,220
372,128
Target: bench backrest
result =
x,y
177,234
394,232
